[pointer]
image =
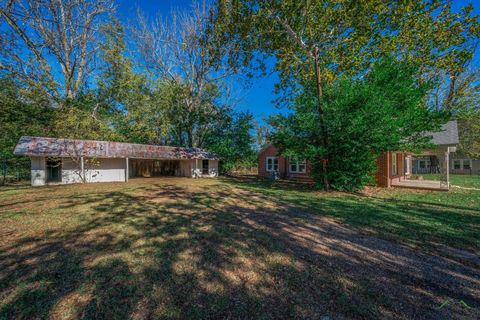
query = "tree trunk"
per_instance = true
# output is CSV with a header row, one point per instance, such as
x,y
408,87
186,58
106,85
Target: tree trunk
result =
x,y
190,143
323,129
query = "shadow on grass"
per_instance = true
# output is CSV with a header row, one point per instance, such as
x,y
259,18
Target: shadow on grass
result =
x,y
220,252
417,222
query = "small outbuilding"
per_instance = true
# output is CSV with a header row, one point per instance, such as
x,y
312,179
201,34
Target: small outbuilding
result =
x,y
63,161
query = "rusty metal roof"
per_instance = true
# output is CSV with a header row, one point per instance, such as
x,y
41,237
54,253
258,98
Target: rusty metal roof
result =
x,y
58,147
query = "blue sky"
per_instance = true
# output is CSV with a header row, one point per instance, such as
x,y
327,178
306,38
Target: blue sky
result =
x,y
257,97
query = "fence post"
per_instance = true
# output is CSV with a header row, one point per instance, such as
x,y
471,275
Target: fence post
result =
x,y
4,170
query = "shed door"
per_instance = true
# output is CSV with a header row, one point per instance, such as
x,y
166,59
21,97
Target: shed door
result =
x,y
204,166
54,170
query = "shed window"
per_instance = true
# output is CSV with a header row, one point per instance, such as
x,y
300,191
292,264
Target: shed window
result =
x,y
272,164
298,166
466,164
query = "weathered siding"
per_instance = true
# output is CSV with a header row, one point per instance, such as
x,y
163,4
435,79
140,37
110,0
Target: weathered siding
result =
x,y
212,168
197,165
38,171
186,168
105,170
71,171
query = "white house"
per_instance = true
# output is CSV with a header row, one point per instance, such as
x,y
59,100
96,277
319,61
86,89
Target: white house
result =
x,y
62,161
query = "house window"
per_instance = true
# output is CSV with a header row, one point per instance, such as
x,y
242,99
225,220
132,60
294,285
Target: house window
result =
x,y
462,164
272,164
394,164
423,164
457,164
298,166
54,170
204,166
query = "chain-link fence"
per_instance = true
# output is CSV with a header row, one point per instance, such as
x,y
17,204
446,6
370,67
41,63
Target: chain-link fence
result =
x,y
13,170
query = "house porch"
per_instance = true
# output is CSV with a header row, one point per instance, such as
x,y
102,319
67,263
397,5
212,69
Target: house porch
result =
x,y
419,184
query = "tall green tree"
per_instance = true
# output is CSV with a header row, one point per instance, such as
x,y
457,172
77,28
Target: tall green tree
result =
x,y
366,116
21,113
465,107
323,40
232,140
182,52
128,100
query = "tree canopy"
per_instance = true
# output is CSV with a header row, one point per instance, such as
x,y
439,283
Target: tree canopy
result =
x,y
323,44
71,69
380,112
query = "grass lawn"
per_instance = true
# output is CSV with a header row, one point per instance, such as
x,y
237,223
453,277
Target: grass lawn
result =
x,y
460,180
237,248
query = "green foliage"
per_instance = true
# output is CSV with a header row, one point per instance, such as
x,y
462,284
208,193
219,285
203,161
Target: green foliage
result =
x,y
233,142
465,107
78,122
20,115
469,133
154,112
349,35
127,99
365,116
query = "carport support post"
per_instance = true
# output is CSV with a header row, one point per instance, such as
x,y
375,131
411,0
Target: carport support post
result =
x,y
126,170
82,167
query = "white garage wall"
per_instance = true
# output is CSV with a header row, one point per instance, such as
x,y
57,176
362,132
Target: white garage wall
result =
x,y
70,171
38,172
107,170
186,168
213,168
104,170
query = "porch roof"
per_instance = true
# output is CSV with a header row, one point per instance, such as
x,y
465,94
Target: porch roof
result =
x,y
59,147
448,134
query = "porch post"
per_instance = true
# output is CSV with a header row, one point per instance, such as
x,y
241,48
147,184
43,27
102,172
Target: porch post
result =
x,y
447,166
388,170
126,169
